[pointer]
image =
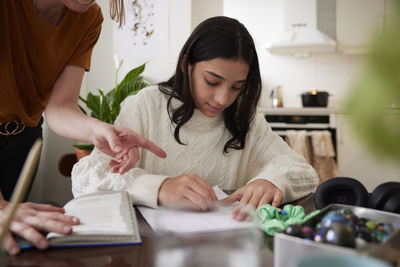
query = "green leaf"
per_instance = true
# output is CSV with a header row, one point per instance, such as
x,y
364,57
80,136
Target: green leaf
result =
x,y
106,107
374,102
105,110
132,75
82,109
88,147
82,99
115,101
132,88
93,103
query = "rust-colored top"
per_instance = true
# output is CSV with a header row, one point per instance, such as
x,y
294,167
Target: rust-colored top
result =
x,y
33,53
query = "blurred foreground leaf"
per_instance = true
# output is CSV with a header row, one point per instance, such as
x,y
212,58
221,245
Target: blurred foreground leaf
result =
x,y
374,104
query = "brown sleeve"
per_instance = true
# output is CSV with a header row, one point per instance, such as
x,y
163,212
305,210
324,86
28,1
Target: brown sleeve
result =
x,y
82,55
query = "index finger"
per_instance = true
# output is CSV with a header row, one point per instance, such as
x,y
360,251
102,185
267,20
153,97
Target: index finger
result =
x,y
145,143
42,207
150,146
229,200
277,199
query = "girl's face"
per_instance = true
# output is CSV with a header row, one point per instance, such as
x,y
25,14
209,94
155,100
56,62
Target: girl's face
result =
x,y
80,6
215,84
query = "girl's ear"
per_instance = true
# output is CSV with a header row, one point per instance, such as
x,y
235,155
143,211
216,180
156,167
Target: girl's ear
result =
x,y
182,63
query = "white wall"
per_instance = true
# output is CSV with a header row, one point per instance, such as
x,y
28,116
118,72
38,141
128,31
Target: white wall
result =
x,y
203,9
157,69
49,183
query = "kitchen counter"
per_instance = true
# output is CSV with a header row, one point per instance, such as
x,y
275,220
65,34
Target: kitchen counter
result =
x,y
297,111
313,118
314,111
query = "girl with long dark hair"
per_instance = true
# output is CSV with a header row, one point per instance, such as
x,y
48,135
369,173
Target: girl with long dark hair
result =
x,y
205,118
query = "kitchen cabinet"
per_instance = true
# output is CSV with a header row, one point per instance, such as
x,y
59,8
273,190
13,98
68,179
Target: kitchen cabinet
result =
x,y
354,159
357,20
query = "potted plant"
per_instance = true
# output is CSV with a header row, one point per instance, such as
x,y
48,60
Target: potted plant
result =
x,y
106,107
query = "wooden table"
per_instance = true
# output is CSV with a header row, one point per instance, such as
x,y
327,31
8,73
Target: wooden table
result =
x,y
116,256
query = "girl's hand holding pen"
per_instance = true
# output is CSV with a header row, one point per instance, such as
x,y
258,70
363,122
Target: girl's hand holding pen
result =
x,y
187,191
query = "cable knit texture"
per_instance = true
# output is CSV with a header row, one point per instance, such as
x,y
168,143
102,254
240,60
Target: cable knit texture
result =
x,y
265,156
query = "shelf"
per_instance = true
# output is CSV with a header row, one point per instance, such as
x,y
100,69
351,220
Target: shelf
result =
x,y
317,111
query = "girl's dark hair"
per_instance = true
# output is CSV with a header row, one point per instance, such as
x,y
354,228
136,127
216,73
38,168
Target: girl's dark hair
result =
x,y
217,37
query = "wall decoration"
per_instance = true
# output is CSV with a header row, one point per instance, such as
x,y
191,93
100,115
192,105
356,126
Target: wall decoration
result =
x,y
145,33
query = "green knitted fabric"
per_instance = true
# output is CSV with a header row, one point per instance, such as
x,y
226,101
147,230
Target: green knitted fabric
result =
x,y
274,219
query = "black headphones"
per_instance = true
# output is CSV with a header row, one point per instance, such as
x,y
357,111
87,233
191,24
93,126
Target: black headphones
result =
x,y
349,191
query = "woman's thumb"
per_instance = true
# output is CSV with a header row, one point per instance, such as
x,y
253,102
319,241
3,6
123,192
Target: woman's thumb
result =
x,y
113,141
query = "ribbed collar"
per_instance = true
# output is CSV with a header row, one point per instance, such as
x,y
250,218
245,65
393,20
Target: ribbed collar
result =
x,y
199,121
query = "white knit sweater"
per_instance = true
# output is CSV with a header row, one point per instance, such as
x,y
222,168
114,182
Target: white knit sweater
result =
x,y
265,156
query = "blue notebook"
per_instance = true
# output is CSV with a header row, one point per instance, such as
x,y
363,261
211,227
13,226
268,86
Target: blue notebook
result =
x,y
107,218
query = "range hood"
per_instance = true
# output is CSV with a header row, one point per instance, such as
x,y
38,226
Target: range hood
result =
x,y
309,26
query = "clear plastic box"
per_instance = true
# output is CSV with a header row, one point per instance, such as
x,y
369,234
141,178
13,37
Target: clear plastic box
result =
x,y
289,249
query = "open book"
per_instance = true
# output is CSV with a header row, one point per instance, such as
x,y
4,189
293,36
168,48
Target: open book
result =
x,y
107,218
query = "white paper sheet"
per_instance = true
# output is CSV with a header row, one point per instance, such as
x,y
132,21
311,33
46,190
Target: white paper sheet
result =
x,y
183,221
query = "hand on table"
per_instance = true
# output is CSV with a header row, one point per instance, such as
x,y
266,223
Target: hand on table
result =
x,y
187,191
29,219
122,144
254,194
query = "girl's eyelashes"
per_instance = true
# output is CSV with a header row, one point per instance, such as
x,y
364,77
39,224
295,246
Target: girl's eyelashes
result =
x,y
216,83
238,88
210,83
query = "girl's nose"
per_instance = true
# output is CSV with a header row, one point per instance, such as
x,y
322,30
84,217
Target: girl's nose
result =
x,y
221,96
